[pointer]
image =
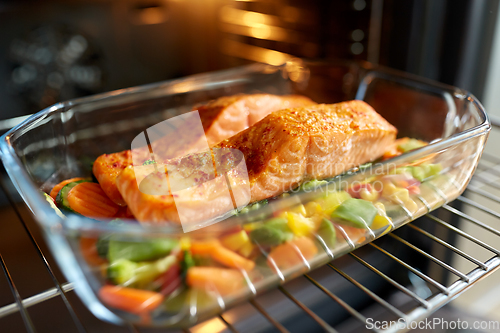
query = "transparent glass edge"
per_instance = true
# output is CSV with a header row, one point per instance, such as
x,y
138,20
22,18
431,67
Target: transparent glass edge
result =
x,y
84,224
58,241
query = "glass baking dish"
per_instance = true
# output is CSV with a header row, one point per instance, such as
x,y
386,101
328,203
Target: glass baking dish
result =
x,y
62,141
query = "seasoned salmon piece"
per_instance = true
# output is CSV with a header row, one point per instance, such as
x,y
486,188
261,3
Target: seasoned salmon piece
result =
x,y
220,118
224,117
281,151
291,146
106,167
157,200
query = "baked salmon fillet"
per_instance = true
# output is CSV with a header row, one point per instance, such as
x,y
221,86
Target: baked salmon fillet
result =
x,y
220,118
292,146
282,151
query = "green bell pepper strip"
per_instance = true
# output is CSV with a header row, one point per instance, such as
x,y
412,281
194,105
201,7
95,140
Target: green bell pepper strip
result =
x,y
140,250
138,274
310,185
271,233
357,213
327,233
254,206
410,145
186,263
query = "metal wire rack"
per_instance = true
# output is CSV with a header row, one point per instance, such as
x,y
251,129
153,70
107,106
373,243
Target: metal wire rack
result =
x,y
441,241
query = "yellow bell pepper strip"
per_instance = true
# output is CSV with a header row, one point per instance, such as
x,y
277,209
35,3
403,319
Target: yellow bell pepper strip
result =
x,y
312,208
399,195
380,222
300,209
300,225
251,226
369,195
247,250
356,213
332,200
236,240
185,243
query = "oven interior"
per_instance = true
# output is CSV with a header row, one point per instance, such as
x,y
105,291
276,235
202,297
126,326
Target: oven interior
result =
x,y
437,257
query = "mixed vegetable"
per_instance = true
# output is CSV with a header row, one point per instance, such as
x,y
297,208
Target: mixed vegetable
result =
x,y
141,275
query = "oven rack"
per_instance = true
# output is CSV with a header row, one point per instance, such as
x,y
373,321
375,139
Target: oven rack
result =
x,y
478,207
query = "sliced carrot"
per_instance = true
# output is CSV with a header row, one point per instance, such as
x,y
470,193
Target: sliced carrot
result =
x,y
58,187
129,299
392,152
89,251
90,200
124,212
232,259
225,281
203,247
355,234
426,158
219,253
292,253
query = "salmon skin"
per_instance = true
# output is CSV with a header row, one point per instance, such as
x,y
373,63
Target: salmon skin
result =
x,y
282,151
220,118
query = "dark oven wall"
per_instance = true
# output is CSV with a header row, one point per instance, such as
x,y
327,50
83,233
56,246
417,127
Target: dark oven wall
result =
x,y
57,50
52,51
